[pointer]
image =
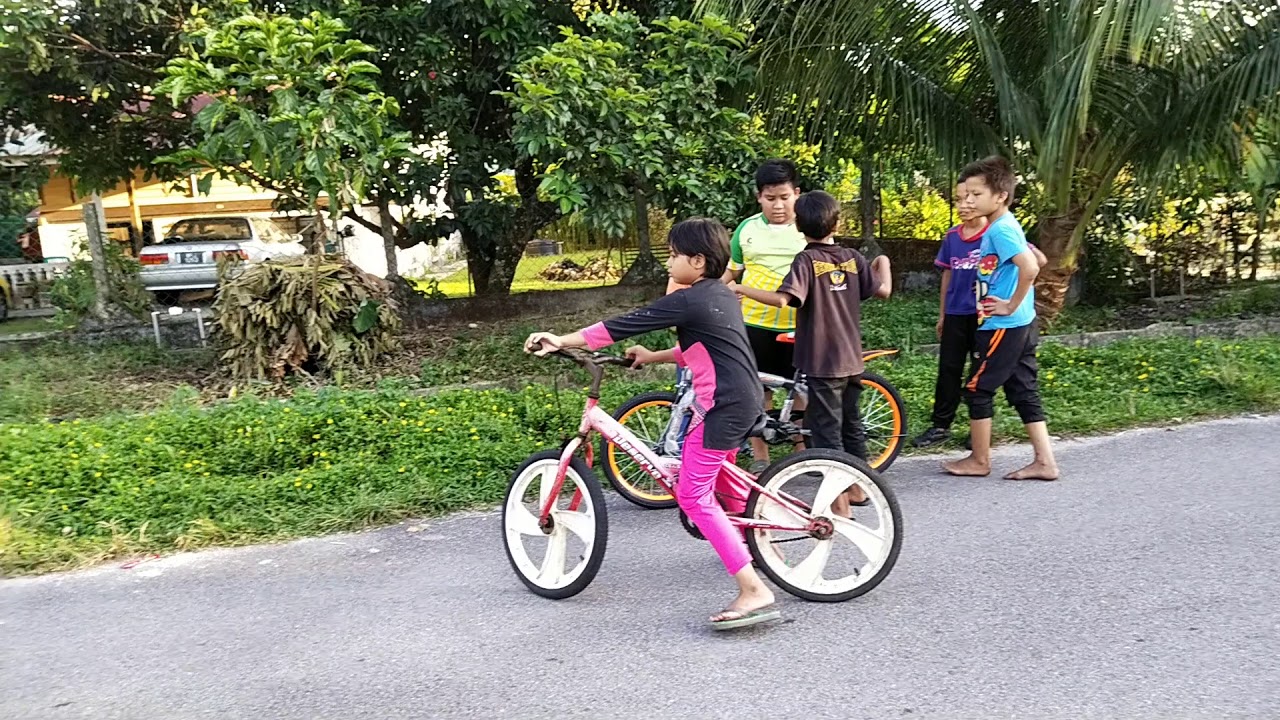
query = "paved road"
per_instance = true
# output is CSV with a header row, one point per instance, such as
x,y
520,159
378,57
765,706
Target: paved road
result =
x,y
1144,585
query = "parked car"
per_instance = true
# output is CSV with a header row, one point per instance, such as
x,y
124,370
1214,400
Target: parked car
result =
x,y
6,299
187,258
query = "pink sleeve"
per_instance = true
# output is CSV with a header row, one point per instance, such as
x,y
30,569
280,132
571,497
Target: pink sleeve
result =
x,y
679,356
597,336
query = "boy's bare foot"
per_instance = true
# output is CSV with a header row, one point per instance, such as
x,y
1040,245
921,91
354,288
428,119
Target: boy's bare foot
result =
x,y
968,467
1035,471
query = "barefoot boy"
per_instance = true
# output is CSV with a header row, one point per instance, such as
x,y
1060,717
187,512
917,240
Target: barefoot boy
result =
x,y
1006,337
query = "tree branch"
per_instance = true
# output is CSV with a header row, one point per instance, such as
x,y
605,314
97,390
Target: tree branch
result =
x,y
85,44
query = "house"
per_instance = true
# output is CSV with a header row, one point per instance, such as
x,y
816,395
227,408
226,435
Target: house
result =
x,y
139,212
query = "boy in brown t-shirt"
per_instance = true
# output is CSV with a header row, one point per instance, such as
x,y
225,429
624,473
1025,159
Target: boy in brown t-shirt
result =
x,y
828,283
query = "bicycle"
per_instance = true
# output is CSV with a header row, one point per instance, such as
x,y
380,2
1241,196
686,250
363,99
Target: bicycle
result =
x,y
554,497
661,418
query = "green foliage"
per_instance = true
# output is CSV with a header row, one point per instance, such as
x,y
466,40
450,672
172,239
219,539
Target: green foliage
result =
x,y
1079,91
254,469
82,72
73,293
442,62
294,107
20,189
251,470
629,107
305,314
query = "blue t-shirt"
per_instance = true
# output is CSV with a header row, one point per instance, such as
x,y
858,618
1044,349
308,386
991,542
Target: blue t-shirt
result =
x,y
998,276
960,256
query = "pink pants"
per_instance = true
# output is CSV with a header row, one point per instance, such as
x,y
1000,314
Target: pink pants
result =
x,y
700,478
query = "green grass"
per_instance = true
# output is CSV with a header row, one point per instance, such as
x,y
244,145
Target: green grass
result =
x,y
528,276
16,326
253,469
63,380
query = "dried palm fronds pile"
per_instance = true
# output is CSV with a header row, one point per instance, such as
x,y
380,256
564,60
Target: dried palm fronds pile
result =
x,y
306,314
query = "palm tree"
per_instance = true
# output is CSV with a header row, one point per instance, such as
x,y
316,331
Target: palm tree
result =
x,y
1079,90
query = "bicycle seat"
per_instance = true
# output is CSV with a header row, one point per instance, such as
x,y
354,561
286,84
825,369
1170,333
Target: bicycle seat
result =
x,y
787,337
757,430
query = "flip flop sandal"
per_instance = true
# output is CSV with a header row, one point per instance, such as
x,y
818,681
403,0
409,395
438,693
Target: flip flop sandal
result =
x,y
765,614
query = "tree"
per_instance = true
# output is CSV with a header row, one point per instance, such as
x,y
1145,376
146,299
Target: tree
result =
x,y
1262,177
82,72
1081,90
445,61
627,114
293,106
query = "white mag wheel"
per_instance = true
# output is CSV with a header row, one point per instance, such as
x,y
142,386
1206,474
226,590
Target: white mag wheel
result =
x,y
830,557
559,558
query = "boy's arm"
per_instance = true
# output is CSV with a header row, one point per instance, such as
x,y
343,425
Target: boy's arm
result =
x,y
1028,269
884,273
1041,260
733,271
777,299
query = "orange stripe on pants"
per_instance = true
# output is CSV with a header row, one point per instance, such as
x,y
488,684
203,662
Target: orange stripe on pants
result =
x,y
996,337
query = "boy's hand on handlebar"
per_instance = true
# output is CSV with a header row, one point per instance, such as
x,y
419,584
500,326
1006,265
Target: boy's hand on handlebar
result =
x,y
640,355
543,343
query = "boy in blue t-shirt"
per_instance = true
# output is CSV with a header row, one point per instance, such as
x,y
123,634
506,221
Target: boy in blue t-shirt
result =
x,y
957,317
1006,337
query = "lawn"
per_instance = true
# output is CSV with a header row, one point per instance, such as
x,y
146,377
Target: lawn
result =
x,y
187,474
528,275
18,326
116,450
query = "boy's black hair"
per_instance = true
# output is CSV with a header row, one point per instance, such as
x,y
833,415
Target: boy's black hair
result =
x,y
705,237
777,172
996,172
817,214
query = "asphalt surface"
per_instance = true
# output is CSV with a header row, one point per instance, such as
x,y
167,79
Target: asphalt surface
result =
x,y
1145,584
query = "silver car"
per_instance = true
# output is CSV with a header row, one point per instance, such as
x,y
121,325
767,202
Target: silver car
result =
x,y
187,257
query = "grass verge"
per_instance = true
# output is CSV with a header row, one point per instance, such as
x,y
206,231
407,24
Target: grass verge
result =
x,y
252,469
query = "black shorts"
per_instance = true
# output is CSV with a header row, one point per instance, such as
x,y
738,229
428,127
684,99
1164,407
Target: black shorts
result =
x,y
1005,358
772,356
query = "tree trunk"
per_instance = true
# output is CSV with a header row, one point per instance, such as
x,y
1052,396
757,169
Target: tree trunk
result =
x,y
388,237
642,223
646,269
491,262
96,225
1056,233
867,200
1255,255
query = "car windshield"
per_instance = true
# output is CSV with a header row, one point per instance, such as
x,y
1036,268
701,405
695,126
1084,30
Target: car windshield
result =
x,y
269,232
209,230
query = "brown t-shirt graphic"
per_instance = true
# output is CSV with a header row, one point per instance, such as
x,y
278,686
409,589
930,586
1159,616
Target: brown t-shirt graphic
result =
x,y
828,283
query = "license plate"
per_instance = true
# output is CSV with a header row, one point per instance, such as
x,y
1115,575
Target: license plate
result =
x,y
194,258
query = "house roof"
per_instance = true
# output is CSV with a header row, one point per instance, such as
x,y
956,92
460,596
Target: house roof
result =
x,y
25,147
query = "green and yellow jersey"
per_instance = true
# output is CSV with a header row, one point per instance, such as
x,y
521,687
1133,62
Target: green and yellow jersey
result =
x,y
764,252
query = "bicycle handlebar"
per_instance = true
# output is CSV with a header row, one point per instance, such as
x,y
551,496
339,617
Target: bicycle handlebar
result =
x,y
592,362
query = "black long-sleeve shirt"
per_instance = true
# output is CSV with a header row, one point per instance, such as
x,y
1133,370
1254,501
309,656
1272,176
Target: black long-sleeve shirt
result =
x,y
712,343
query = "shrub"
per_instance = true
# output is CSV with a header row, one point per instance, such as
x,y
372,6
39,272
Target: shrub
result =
x,y
303,314
73,293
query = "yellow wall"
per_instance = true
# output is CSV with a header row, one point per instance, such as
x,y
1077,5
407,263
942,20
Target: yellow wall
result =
x,y
59,202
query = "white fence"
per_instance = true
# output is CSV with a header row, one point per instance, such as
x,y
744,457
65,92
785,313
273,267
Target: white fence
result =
x,y
30,285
